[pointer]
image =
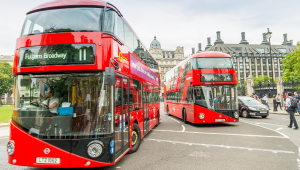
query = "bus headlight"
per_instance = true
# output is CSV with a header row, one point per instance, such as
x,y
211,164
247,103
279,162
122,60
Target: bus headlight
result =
x,y
236,115
201,116
10,148
94,149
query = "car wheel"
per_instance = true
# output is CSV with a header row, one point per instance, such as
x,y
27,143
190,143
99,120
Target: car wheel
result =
x,y
264,116
245,114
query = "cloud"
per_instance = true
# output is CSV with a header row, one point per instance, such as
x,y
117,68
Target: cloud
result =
x,y
181,23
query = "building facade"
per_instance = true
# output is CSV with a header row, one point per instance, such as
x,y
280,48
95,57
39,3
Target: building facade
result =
x,y
166,59
254,59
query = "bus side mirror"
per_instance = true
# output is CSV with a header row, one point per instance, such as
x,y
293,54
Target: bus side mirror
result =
x,y
110,76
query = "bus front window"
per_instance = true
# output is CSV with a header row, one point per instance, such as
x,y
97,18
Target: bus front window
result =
x,y
62,106
216,97
63,20
212,63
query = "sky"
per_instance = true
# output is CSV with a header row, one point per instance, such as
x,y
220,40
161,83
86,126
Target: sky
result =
x,y
180,22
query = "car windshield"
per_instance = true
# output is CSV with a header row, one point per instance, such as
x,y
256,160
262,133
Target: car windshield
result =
x,y
216,97
211,63
62,105
250,101
63,20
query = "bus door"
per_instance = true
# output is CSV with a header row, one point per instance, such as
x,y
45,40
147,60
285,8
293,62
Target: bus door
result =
x,y
121,116
145,109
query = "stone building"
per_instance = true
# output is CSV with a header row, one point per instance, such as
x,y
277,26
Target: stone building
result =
x,y
10,60
166,59
254,59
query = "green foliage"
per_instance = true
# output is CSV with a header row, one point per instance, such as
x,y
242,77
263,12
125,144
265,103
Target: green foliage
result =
x,y
291,66
5,113
6,77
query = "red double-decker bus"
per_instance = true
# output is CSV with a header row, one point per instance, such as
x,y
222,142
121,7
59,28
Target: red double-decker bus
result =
x,y
202,89
86,90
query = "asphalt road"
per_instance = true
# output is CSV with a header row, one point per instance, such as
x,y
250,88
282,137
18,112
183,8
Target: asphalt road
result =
x,y
253,143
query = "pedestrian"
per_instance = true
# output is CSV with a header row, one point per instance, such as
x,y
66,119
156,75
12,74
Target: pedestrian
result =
x,y
296,96
255,97
284,97
291,108
265,101
278,101
259,99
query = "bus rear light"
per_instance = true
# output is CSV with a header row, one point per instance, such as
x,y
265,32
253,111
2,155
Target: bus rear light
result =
x,y
201,116
10,148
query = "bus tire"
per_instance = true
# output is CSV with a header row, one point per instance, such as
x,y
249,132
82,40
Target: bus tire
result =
x,y
168,112
184,117
157,119
136,138
245,114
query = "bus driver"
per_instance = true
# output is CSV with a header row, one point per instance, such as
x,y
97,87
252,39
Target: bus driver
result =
x,y
51,103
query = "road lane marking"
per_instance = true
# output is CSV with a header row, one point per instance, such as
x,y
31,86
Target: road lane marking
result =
x,y
279,129
226,134
183,128
265,128
223,146
4,137
174,120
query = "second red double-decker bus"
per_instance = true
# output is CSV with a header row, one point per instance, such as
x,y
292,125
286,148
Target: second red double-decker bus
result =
x,y
71,108
202,89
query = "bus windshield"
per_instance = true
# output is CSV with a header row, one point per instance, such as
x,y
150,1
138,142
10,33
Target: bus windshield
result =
x,y
212,63
216,97
63,20
62,105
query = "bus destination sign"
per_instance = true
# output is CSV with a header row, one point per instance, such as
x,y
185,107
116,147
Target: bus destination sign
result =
x,y
61,54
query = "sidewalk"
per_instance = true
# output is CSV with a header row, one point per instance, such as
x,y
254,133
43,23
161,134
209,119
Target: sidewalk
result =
x,y
281,112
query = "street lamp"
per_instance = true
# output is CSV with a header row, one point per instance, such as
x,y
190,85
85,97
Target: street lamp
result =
x,y
269,35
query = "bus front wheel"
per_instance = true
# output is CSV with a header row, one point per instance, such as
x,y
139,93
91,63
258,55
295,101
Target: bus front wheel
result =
x,y
168,111
184,117
157,119
135,137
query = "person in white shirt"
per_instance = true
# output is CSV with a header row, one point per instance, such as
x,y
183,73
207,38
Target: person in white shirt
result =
x,y
291,111
266,100
51,103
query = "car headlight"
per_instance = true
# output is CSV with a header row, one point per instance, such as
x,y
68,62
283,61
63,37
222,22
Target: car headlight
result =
x,y
252,108
201,116
236,115
10,148
94,149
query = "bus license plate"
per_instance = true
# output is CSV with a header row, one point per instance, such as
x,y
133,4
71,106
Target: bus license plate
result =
x,y
219,120
48,160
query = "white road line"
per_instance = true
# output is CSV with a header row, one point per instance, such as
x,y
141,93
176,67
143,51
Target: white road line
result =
x,y
174,120
183,128
279,129
223,146
226,134
267,128
3,137
266,123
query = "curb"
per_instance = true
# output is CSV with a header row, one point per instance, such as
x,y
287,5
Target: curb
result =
x,y
296,114
4,125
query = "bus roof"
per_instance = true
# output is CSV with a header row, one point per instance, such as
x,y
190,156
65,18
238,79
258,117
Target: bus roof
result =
x,y
71,3
205,54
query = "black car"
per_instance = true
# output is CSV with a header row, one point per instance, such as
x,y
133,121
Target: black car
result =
x,y
248,107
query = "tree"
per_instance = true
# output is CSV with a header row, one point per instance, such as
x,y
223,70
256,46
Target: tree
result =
x,y
291,65
6,78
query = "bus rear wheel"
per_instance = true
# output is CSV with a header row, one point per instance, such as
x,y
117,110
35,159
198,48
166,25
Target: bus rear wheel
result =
x,y
157,119
184,117
135,137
